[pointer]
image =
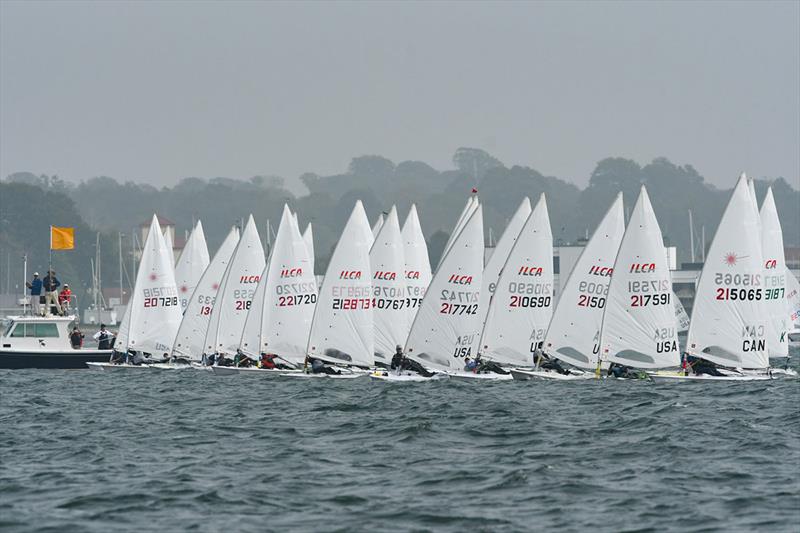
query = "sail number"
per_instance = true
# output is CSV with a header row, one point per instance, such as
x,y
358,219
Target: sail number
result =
x,y
584,300
458,309
737,279
296,299
643,300
169,301
741,294
529,301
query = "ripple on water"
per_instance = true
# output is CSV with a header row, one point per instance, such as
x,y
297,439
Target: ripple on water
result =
x,y
192,451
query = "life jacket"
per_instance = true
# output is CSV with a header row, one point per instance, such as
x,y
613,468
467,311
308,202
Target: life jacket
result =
x,y
268,360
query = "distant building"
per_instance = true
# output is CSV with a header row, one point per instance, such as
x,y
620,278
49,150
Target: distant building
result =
x,y
167,228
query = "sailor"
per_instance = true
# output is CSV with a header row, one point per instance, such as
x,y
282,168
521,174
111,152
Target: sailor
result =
x,y
318,367
622,371
268,361
488,366
103,338
76,338
35,285
397,358
51,284
702,366
470,365
221,360
64,299
545,362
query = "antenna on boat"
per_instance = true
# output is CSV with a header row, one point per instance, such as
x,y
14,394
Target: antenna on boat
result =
x,y
691,235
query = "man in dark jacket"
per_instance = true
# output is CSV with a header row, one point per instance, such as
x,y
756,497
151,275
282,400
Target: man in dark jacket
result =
x,y
35,285
51,285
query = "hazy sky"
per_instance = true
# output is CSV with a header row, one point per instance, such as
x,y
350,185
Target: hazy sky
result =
x,y
163,90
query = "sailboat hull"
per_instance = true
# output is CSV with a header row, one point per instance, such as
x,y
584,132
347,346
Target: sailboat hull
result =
x,y
382,375
679,376
68,359
526,375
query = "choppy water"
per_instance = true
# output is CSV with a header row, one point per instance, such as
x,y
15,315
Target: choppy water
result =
x,y
187,450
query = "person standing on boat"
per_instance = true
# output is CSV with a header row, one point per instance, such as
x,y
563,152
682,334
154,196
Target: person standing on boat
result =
x,y
76,338
64,299
35,285
103,338
51,285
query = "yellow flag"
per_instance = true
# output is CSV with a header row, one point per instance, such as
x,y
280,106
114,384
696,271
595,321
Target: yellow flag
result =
x,y
62,238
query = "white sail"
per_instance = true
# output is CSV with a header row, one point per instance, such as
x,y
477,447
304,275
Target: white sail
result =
x,y
170,247
496,262
153,313
194,326
341,331
280,318
235,294
389,313
466,213
639,326
308,238
751,188
418,266
793,302
447,323
574,332
774,278
522,304
681,316
728,317
191,264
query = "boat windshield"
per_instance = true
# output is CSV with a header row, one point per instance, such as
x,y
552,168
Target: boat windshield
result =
x,y
39,330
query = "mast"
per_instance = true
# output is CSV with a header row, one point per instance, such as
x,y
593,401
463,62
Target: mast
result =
x,y
691,235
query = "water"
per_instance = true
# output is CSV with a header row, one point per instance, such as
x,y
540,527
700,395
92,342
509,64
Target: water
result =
x,y
187,450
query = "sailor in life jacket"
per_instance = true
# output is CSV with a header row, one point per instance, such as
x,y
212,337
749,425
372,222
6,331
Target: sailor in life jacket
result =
x,y
103,338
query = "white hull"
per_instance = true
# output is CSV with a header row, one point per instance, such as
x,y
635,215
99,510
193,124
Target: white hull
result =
x,y
231,370
489,375
673,376
387,375
111,367
331,376
528,374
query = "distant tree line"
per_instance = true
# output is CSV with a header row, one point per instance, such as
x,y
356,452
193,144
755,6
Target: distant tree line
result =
x,y
29,204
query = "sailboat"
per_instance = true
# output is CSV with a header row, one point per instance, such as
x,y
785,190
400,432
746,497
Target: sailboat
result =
x,y
573,335
793,307
342,328
445,328
192,262
639,326
308,239
466,213
283,306
775,278
499,257
235,295
192,332
153,313
389,313
418,266
729,318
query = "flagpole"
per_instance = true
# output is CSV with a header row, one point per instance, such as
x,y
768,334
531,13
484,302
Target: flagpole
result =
x,y
50,258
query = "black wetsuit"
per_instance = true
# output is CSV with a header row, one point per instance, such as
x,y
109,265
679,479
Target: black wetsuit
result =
x,y
701,366
490,366
397,360
410,364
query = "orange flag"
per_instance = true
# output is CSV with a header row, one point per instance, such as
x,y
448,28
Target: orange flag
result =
x,y
62,238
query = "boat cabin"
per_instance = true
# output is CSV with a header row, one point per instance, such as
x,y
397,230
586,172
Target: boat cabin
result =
x,y
33,333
